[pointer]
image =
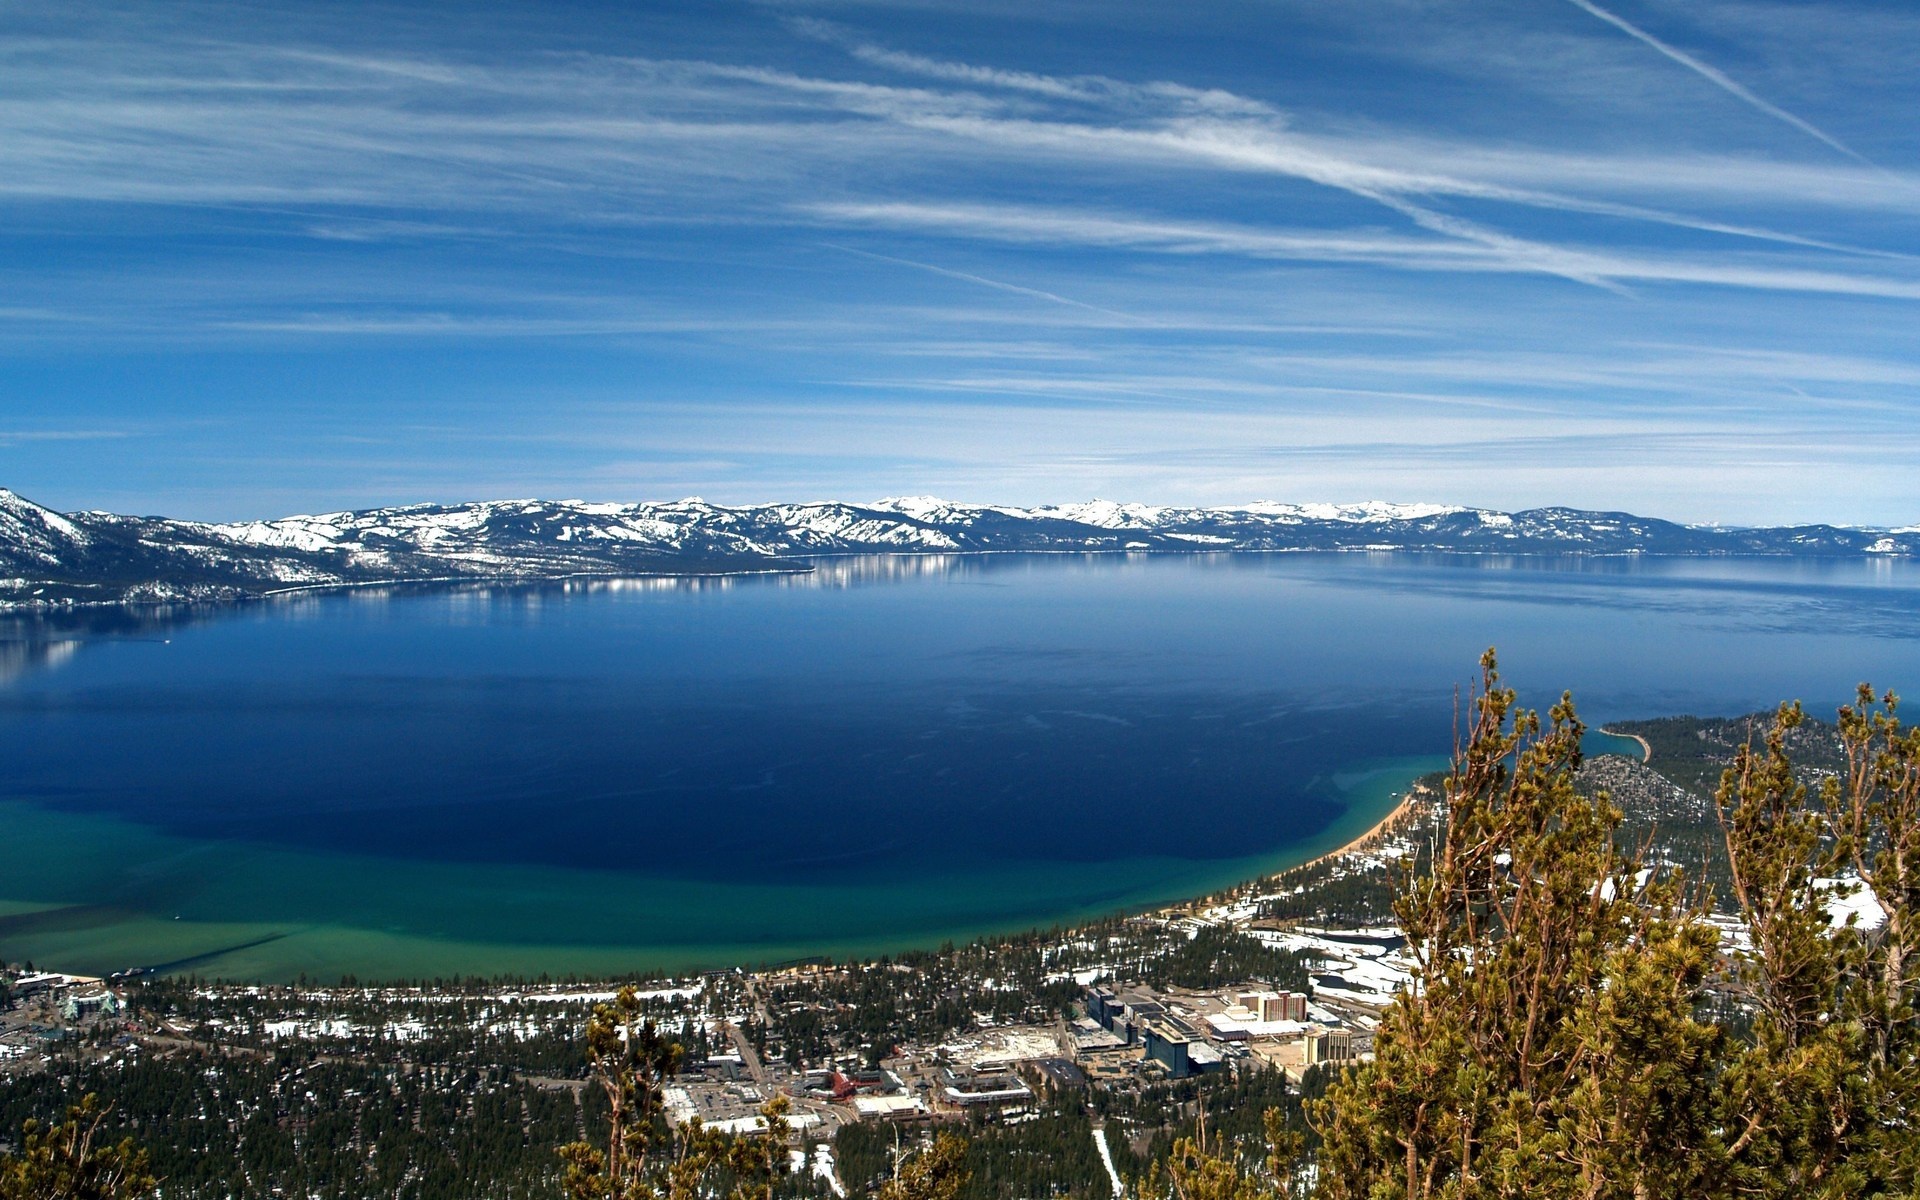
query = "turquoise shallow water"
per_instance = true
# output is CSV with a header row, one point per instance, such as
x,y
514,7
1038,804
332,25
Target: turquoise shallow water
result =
x,y
890,753
254,911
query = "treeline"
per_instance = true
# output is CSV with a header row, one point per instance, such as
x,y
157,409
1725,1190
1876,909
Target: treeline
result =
x,y
292,1124
477,1030
1049,1153
1232,1109
1694,751
1213,956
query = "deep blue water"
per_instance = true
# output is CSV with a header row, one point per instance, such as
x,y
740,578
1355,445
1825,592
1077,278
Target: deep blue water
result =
x,y
966,722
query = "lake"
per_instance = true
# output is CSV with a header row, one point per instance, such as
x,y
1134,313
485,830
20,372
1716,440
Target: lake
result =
x,y
892,751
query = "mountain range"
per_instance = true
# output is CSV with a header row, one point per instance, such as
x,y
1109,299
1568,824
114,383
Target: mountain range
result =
x,y
49,558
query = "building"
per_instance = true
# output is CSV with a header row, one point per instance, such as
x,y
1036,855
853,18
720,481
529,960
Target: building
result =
x,y
77,1006
1055,1075
1205,1057
1125,1014
28,986
730,1067
862,1082
1102,1005
1284,1006
891,1108
816,1083
1140,1009
1273,1006
982,1091
1226,1028
1329,1046
1089,1036
1111,1067
741,1126
1179,1048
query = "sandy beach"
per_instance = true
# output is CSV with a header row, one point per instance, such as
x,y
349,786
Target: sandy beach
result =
x,y
1646,748
1415,794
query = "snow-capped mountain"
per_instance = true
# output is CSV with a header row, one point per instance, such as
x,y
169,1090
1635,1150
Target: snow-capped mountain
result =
x,y
93,557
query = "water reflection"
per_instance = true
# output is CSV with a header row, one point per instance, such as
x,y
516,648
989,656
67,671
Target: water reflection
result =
x,y
44,640
18,658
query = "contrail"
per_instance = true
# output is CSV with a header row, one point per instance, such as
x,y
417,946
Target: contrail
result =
x,y
1719,79
982,280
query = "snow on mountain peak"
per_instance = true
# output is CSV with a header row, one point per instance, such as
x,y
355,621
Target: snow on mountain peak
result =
x,y
24,516
1109,514
1364,512
1106,514
919,508
297,533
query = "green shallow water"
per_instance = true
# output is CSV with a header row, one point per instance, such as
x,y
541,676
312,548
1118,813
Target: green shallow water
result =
x,y
95,895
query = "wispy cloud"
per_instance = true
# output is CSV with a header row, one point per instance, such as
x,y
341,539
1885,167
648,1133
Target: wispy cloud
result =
x,y
15,437
346,129
1100,90
1719,79
1044,85
465,325
1246,132
1469,248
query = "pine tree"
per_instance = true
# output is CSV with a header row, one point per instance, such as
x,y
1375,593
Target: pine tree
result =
x,y
1201,1168
1823,1103
935,1173
64,1163
645,1159
1547,1046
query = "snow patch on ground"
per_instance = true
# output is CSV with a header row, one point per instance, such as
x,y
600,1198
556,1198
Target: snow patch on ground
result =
x,y
1850,901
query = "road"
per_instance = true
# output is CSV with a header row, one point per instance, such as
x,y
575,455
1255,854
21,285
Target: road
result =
x,y
754,1067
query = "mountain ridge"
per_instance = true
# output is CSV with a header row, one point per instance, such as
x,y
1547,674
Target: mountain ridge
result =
x,y
49,558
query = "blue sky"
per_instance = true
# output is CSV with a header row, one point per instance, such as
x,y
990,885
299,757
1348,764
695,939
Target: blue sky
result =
x,y
1645,254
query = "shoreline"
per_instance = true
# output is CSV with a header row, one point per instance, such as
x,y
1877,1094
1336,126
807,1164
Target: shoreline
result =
x,y
234,597
1416,792
230,595
1415,795
1646,747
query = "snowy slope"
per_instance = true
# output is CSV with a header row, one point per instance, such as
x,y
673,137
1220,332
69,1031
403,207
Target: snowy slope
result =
x,y
30,534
